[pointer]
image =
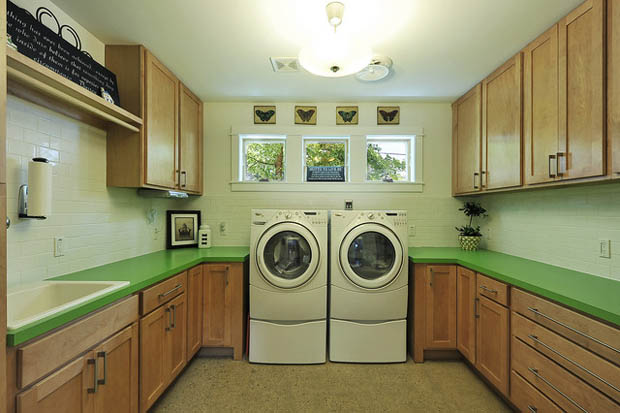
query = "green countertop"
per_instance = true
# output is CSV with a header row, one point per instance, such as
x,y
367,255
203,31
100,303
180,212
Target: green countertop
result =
x,y
593,295
140,271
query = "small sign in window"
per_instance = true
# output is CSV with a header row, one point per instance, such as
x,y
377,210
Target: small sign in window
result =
x,y
325,174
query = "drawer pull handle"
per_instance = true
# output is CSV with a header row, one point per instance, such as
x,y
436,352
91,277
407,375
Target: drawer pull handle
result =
x,y
535,311
105,366
164,295
95,376
174,315
432,277
169,326
574,363
535,373
531,408
476,304
552,160
488,290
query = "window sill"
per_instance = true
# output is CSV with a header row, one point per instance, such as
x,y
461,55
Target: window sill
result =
x,y
327,187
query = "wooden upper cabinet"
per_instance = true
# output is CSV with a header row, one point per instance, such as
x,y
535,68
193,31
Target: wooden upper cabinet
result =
x,y
161,124
466,142
501,126
465,313
440,307
581,92
613,87
541,107
190,141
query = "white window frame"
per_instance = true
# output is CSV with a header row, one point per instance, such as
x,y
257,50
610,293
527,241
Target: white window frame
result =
x,y
258,138
327,139
411,158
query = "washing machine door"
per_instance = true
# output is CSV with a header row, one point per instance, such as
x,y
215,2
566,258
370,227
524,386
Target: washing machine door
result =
x,y
287,255
371,256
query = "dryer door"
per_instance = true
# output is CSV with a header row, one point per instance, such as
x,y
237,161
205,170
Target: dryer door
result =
x,y
371,256
287,255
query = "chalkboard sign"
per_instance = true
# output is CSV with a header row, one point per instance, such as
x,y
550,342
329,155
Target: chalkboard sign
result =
x,y
38,42
325,174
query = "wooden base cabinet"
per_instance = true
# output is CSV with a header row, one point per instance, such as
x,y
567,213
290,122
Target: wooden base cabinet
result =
x,y
465,317
492,334
224,289
194,310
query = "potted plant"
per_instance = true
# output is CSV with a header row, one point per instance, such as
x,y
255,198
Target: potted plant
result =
x,y
469,236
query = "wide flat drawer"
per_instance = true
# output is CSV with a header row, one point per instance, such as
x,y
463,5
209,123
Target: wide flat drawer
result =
x,y
566,390
36,359
527,398
585,331
492,289
597,371
161,293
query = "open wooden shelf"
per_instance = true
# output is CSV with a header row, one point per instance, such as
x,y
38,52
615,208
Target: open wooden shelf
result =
x,y
34,82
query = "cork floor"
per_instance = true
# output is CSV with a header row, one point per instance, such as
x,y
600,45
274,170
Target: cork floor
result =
x,y
223,385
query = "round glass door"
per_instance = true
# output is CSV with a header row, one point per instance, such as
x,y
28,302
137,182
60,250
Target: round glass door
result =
x,y
288,255
371,255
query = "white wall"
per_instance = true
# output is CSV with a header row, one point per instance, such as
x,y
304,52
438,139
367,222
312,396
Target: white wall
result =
x,y
557,226
433,211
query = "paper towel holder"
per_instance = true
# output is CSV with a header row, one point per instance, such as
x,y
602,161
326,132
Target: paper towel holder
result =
x,y
22,198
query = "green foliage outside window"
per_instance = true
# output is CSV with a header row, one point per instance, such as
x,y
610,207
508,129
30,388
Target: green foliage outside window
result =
x,y
325,154
384,167
264,161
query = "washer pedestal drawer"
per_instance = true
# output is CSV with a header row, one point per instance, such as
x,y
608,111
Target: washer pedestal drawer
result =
x,y
360,342
288,343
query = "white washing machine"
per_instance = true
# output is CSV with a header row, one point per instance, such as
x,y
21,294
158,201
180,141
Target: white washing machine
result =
x,y
288,286
368,287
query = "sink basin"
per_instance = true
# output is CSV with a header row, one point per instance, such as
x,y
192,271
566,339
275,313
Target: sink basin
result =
x,y
33,302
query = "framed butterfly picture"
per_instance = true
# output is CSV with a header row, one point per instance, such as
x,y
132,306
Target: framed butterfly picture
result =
x,y
347,115
305,115
265,115
388,115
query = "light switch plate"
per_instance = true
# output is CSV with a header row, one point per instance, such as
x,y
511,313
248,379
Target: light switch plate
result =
x,y
605,248
59,246
223,229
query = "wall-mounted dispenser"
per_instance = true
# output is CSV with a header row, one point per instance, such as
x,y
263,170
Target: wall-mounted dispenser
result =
x,y
35,199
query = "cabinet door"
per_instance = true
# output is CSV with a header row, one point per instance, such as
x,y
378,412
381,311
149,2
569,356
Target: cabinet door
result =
x,y
440,307
492,355
216,329
153,329
466,141
501,126
70,389
118,373
581,75
613,86
465,321
541,108
194,310
190,140
176,337
161,140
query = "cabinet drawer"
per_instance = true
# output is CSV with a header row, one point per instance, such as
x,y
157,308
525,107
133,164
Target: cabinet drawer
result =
x,y
527,398
492,289
161,293
565,389
588,366
585,331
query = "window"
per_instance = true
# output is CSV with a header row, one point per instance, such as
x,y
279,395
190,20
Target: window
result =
x,y
390,159
326,152
264,158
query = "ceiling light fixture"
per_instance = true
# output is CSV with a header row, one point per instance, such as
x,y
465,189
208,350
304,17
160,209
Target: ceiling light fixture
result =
x,y
334,55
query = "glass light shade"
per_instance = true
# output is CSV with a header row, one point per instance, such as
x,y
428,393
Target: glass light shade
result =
x,y
334,56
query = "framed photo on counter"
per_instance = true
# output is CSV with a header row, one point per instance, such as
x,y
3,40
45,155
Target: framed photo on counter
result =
x,y
182,229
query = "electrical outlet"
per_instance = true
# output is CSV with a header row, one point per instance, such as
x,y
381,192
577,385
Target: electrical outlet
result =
x,y
155,234
488,233
605,248
223,229
59,246
412,230
348,204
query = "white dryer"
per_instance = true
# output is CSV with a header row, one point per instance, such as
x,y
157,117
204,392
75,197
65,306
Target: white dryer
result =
x,y
288,286
368,287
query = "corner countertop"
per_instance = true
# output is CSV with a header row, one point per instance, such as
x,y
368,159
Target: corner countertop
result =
x,y
140,271
597,296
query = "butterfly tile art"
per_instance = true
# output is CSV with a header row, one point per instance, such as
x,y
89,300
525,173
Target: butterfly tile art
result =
x,y
388,115
265,115
305,115
347,115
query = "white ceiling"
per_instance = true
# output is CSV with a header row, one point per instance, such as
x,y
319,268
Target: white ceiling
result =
x,y
220,49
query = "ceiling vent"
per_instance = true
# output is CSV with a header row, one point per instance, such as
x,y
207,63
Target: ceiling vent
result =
x,y
379,68
284,64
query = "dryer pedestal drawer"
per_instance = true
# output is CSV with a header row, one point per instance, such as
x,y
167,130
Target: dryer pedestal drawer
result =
x,y
360,342
374,305
288,305
288,343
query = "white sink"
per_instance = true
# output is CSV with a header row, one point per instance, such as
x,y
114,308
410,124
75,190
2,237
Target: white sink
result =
x,y
35,301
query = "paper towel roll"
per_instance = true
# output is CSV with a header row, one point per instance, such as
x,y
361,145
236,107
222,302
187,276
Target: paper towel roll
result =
x,y
39,188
